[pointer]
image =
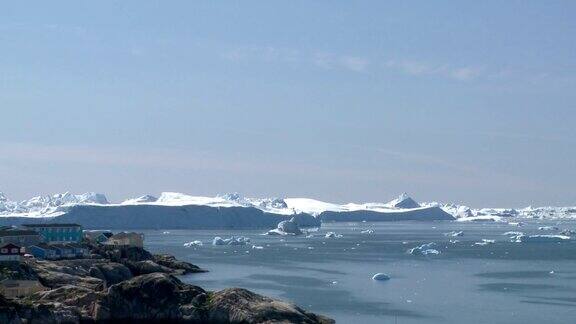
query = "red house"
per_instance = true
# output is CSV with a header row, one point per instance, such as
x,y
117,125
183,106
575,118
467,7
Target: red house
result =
x,y
10,253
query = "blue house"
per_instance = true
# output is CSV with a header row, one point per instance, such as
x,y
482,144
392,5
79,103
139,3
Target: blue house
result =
x,y
43,251
57,233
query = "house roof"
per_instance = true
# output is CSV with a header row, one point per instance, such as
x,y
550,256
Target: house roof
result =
x,y
52,225
94,234
17,232
9,246
122,235
44,246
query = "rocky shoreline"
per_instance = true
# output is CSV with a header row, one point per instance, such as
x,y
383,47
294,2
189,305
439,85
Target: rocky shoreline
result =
x,y
130,284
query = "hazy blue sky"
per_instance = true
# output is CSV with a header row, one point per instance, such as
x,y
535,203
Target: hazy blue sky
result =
x,y
469,102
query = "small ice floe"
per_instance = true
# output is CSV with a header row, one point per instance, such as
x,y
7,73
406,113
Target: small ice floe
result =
x,y
193,243
455,233
240,240
380,277
541,238
485,242
454,241
367,231
568,232
166,232
310,248
513,233
514,223
332,235
257,247
548,228
289,227
481,218
424,249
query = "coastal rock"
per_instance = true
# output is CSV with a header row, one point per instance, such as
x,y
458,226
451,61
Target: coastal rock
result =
x,y
154,296
148,266
171,262
236,305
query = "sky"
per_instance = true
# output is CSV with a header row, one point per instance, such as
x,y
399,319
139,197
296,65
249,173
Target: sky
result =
x,y
467,102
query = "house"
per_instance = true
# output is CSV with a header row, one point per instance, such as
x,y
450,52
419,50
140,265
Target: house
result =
x,y
126,239
97,236
18,288
19,236
64,251
10,253
43,251
57,233
79,250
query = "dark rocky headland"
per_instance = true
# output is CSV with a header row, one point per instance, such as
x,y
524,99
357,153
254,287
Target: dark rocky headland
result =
x,y
132,285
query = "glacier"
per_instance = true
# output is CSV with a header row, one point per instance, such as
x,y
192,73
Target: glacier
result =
x,y
232,211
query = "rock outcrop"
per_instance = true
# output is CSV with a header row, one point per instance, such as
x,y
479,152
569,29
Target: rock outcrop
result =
x,y
134,285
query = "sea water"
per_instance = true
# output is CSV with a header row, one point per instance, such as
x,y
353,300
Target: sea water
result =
x,y
500,282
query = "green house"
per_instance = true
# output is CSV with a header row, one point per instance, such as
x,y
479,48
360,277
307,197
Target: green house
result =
x,y
57,233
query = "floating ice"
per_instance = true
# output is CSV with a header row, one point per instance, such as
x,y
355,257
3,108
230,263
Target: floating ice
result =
x,y
289,227
568,232
240,240
166,232
333,235
257,247
193,243
542,238
368,231
485,242
424,249
455,233
381,277
513,233
548,228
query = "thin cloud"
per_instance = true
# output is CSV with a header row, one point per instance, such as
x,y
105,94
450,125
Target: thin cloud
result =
x,y
416,68
323,60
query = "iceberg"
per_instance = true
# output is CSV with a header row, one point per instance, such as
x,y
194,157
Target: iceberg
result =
x,y
380,277
548,228
289,227
404,201
485,242
332,235
234,240
424,249
542,238
193,243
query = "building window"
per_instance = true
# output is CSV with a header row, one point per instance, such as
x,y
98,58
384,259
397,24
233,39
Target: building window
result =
x,y
4,250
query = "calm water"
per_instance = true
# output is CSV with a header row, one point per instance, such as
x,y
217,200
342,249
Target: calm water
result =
x,y
503,282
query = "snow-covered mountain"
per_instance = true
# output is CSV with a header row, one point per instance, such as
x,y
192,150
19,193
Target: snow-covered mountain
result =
x,y
48,204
